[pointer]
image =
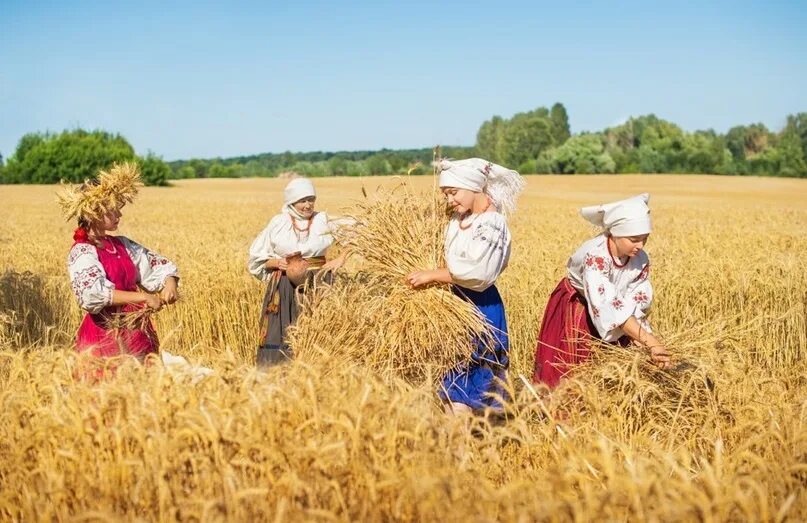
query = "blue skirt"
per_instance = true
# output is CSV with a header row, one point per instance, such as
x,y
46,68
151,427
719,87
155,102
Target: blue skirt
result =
x,y
476,383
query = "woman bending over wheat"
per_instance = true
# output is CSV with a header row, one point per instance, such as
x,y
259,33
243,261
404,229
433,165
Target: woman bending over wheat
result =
x,y
477,249
606,293
113,275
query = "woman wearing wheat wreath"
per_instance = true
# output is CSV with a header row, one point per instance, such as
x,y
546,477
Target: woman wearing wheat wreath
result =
x,y
477,250
285,255
606,293
113,275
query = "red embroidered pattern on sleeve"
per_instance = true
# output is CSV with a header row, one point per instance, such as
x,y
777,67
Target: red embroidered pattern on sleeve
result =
x,y
617,304
84,280
79,250
156,259
641,297
597,263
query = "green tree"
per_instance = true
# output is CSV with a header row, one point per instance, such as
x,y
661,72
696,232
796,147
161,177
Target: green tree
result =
x,y
200,167
220,170
28,142
785,159
154,170
378,165
745,142
185,172
797,124
525,137
489,139
560,123
358,168
311,169
584,154
70,155
339,166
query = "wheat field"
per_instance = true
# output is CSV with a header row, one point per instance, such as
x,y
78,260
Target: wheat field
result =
x,y
723,440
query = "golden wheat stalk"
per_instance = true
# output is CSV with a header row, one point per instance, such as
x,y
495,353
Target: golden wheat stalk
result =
x,y
376,318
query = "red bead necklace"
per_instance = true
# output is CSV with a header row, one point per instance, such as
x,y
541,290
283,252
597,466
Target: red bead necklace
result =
x,y
298,229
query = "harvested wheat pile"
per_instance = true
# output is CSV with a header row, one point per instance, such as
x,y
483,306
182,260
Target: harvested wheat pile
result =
x,y
373,317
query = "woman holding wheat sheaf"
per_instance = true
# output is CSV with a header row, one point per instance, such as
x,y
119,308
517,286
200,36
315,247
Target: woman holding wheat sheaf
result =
x,y
107,272
477,250
285,255
606,293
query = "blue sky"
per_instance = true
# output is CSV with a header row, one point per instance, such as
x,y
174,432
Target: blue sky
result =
x,y
206,79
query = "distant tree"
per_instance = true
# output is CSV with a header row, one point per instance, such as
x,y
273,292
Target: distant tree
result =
x,y
287,159
339,166
525,137
786,158
560,123
29,142
221,170
745,142
358,168
200,167
378,165
584,154
398,162
528,167
70,155
797,124
185,172
154,170
489,139
311,169
705,152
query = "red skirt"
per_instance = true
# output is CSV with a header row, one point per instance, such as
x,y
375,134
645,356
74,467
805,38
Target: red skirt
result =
x,y
565,337
96,336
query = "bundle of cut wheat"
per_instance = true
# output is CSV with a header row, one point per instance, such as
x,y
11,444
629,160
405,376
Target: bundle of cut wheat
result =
x,y
374,317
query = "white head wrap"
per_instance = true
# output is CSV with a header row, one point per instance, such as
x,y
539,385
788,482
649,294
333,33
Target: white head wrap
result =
x,y
630,217
501,184
297,189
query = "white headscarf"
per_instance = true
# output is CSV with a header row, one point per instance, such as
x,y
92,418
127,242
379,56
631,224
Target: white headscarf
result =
x,y
501,184
630,217
296,190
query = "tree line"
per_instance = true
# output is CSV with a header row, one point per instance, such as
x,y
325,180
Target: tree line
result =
x,y
534,142
537,141
75,156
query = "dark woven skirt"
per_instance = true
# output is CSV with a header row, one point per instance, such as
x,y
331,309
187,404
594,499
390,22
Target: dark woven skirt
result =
x,y
279,311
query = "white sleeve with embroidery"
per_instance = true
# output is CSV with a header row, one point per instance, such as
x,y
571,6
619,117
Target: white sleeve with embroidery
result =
x,y
260,252
608,310
152,269
640,293
475,261
88,278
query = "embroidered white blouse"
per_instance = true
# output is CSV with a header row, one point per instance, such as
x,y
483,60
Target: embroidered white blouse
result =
x,y
279,239
88,277
476,256
613,293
